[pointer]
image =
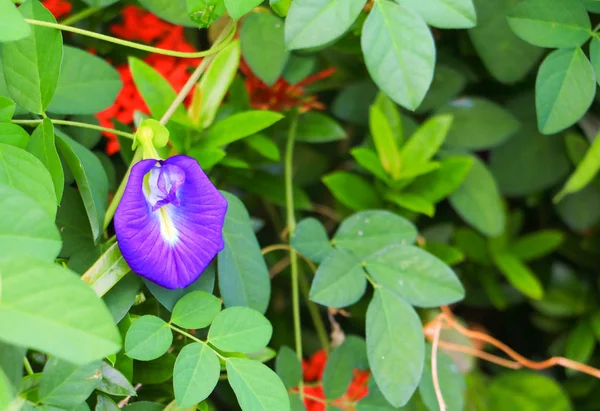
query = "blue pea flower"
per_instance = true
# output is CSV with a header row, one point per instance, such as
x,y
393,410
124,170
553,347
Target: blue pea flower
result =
x,y
169,221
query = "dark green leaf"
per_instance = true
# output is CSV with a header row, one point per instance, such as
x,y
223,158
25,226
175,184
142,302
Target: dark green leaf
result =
x,y
314,127
473,244
580,342
352,190
42,145
196,310
73,224
156,371
288,367
447,84
311,240
240,329
339,370
519,275
195,375
536,245
264,145
114,383
68,385
121,297
148,338
353,102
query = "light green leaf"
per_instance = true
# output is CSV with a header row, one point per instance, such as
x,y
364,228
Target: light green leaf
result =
x,y
564,89
399,53
352,190
370,231
442,182
263,47
445,14
12,25
340,280
196,310
415,275
32,65
478,201
173,11
506,57
238,126
7,106
90,177
311,240
264,145
385,139
68,385
104,403
311,23
195,375
288,367
13,135
551,23
536,245
450,379
519,275
240,329
42,145
369,160
478,124
396,354
256,386
83,75
412,202
107,271
24,172
425,142
215,82
315,127
280,7
64,305
584,173
207,157
148,338
237,8
243,274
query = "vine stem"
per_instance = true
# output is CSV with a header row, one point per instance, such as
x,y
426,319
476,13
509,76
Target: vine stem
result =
x,y
75,124
291,225
434,368
80,15
132,44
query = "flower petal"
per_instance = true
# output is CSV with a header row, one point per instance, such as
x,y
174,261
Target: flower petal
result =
x,y
172,245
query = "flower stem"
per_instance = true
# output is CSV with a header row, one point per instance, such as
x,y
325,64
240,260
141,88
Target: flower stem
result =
x,y
75,124
313,310
291,223
80,15
132,44
110,212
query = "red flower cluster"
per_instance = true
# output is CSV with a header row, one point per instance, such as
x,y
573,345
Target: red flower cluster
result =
x,y
139,25
313,374
58,7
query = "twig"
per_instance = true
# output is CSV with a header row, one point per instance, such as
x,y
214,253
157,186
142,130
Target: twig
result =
x,y
434,368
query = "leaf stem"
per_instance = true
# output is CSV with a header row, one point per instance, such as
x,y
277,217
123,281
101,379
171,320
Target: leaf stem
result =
x,y
313,310
291,225
75,124
82,14
132,44
27,365
191,337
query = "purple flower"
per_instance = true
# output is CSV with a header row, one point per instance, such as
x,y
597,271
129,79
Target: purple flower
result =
x,y
169,222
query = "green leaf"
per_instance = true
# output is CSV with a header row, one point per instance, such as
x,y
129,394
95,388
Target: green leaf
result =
x,y
107,271
478,124
256,386
168,298
375,401
114,383
396,354
415,275
399,53
90,177
311,240
340,280
68,385
271,187
207,157
367,232
122,296
425,142
83,75
280,7
288,367
12,25
196,374
519,275
504,55
104,403
316,23
156,91
584,173
42,145
7,107
473,244
173,11
196,310
576,212
237,8
299,67
595,56
352,190
536,245
99,3
32,65
148,338
73,225
385,139
240,329
263,46
24,172
238,126
580,342
64,306
264,146
551,23
156,371
11,365
315,127
215,82
390,110
564,89
526,391
352,103
205,12
369,160
451,382
13,135
448,83
478,201
412,202
445,14
243,274
442,182
448,254
339,370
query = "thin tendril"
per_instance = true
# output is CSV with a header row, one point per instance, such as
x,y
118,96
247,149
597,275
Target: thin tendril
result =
x,y
75,124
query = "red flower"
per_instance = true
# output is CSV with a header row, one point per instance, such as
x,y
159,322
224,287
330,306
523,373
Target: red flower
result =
x,y
58,8
282,95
